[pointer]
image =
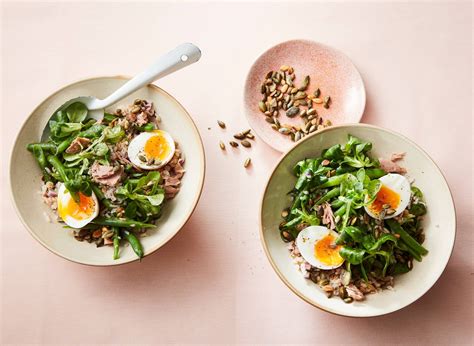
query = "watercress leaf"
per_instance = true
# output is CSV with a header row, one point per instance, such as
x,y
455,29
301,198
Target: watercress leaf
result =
x,y
333,153
355,233
76,112
131,210
113,134
380,241
416,192
361,175
353,256
156,200
100,149
373,188
417,209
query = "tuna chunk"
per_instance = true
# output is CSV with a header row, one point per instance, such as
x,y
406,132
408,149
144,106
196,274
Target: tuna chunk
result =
x,y
328,216
354,292
106,175
77,145
391,167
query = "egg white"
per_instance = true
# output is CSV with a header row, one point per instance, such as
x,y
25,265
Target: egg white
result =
x,y
137,146
400,185
307,239
63,199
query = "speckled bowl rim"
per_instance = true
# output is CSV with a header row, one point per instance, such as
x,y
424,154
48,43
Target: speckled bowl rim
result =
x,y
247,82
284,155
184,220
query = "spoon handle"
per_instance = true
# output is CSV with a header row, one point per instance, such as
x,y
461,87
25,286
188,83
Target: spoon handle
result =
x,y
182,56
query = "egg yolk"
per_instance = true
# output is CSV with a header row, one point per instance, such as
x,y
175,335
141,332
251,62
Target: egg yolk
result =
x,y
78,211
157,147
327,252
385,197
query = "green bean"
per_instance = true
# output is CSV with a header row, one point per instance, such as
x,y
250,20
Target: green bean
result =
x,y
395,227
116,242
337,203
51,147
147,128
375,173
334,181
100,195
331,194
340,211
54,161
111,221
41,158
404,247
134,243
64,145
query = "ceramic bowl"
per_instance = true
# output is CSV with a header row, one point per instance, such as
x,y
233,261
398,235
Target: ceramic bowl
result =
x,y
329,69
439,223
25,175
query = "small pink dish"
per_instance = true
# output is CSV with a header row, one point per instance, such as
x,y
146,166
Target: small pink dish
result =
x,y
329,69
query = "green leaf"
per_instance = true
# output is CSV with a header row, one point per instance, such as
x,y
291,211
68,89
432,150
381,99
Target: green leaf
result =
x,y
417,209
101,149
353,256
382,240
333,153
157,199
76,112
113,134
355,233
131,210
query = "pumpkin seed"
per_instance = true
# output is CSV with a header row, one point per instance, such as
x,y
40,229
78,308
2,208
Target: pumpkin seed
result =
x,y
135,109
269,120
246,143
284,88
222,145
234,144
269,74
294,91
297,136
221,124
300,95
304,86
262,106
297,103
317,100
348,300
292,112
250,136
239,136
284,68
303,102
137,102
142,158
284,130
247,162
311,111
317,92
276,122
157,161
303,113
274,127
312,128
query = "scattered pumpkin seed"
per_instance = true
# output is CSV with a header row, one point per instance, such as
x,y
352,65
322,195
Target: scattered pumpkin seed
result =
x,y
269,120
304,86
311,111
222,145
317,100
234,144
142,158
262,106
246,143
247,162
284,130
239,136
221,124
250,136
284,68
317,92
274,127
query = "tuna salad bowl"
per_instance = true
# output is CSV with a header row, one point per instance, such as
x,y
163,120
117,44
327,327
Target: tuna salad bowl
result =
x,y
108,191
357,220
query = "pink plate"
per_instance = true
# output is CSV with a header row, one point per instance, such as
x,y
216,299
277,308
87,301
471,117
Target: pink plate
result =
x,y
329,69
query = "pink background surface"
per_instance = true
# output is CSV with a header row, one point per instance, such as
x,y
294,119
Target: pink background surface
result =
x,y
212,282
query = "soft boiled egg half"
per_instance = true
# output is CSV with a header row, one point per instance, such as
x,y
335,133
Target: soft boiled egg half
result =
x,y
74,214
151,150
393,197
317,245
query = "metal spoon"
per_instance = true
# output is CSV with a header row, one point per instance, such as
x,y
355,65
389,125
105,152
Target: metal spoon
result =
x,y
182,56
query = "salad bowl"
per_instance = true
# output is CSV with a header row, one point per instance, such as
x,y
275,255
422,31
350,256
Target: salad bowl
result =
x,y
439,224
25,175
